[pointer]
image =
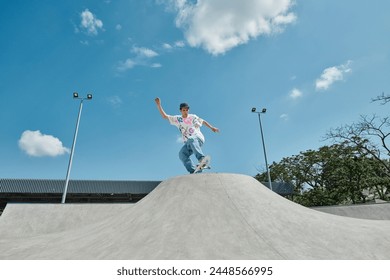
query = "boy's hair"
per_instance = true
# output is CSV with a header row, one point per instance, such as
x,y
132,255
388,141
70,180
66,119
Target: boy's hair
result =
x,y
184,105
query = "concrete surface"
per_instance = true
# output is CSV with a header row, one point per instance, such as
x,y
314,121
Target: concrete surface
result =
x,y
379,211
207,216
32,219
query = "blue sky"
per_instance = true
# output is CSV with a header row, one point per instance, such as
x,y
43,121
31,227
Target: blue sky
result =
x,y
315,65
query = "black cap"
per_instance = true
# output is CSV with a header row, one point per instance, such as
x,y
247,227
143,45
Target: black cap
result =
x,y
184,105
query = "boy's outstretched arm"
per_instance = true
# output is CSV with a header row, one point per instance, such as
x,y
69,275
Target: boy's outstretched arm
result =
x,y
160,109
214,129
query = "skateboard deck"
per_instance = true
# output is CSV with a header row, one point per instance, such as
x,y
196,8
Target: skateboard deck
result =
x,y
204,164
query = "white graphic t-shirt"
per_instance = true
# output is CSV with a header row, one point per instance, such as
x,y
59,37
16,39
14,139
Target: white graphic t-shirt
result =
x,y
189,127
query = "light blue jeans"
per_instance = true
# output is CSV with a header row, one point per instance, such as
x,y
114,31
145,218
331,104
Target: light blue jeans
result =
x,y
192,146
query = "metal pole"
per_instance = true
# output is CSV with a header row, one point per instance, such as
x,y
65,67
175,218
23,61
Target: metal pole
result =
x,y
71,153
265,154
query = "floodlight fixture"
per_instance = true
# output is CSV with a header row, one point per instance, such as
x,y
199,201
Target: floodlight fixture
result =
x,y
75,96
262,138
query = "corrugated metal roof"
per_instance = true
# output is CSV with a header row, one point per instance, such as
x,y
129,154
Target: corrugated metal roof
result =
x,y
76,186
282,188
53,186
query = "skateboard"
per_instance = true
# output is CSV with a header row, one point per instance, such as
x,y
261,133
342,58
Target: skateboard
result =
x,y
204,164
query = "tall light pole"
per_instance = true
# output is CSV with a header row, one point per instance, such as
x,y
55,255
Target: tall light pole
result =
x,y
262,138
75,96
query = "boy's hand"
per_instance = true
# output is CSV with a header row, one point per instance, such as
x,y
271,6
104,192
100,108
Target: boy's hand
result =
x,y
157,100
214,129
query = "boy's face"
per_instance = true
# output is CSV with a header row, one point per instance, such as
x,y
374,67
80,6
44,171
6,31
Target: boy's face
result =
x,y
184,112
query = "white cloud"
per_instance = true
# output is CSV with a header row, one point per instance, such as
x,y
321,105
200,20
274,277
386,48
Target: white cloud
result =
x,y
142,57
125,65
180,44
90,22
156,65
177,44
284,117
144,52
118,27
115,101
167,46
331,75
179,139
36,144
295,93
220,25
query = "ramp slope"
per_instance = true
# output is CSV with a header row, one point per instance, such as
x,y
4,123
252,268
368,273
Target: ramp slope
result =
x,y
380,211
31,219
211,216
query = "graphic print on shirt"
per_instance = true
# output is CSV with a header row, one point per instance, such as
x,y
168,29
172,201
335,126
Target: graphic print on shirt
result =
x,y
189,127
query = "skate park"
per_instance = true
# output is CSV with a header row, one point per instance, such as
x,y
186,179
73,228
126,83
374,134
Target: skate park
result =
x,y
196,217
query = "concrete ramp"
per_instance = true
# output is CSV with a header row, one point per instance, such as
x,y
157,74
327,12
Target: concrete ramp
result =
x,y
380,211
209,216
23,220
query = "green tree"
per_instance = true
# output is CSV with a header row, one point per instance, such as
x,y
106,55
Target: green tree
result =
x,y
371,136
351,169
336,174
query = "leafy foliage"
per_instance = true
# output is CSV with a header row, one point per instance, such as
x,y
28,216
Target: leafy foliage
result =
x,y
352,170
